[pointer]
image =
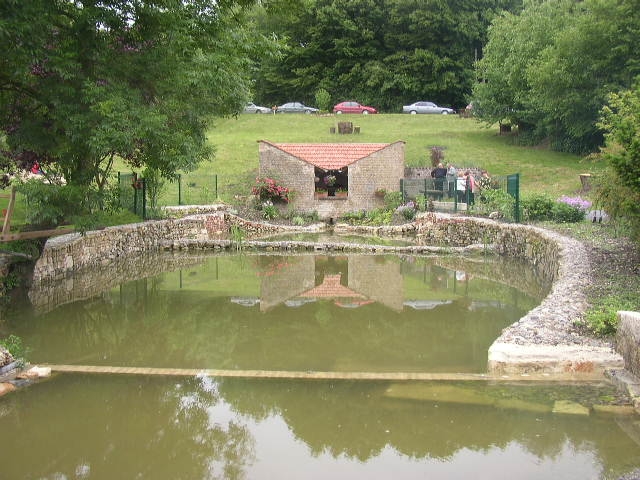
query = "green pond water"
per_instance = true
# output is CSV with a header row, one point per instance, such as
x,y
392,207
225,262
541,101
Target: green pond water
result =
x,y
299,312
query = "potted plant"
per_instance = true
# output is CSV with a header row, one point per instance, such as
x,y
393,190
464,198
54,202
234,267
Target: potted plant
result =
x,y
330,182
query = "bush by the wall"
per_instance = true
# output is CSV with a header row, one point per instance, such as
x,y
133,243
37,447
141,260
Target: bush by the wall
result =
x,y
537,207
565,213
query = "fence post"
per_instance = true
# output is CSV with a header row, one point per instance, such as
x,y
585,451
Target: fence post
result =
x,y
216,184
402,190
144,198
179,189
513,188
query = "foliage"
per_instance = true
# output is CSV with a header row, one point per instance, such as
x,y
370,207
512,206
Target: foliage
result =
x,y
323,99
86,84
620,194
379,216
602,318
154,185
541,207
269,210
30,248
237,236
549,69
407,211
354,217
496,200
537,207
49,205
268,189
380,53
393,200
565,213
13,344
421,202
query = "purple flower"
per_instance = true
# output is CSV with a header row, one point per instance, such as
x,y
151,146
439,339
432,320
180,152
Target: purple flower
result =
x,y
576,202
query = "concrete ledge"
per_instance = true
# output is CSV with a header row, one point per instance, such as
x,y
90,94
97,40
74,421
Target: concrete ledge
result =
x,y
509,358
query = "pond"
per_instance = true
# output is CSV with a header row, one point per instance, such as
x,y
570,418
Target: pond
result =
x,y
305,312
276,312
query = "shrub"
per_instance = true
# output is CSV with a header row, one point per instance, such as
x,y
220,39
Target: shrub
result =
x,y
393,200
537,207
421,202
602,317
267,189
354,217
497,201
13,344
323,99
52,205
269,211
408,211
565,213
380,216
298,221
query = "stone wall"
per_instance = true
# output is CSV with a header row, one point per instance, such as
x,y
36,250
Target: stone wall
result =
x,y
628,340
545,340
74,252
380,170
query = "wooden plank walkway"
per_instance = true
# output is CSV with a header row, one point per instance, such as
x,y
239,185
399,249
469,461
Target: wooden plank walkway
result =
x,y
312,375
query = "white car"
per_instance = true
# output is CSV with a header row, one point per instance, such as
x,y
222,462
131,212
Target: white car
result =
x,y
253,108
426,107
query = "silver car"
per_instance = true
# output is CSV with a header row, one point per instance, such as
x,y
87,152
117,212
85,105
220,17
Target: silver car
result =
x,y
296,107
426,107
253,108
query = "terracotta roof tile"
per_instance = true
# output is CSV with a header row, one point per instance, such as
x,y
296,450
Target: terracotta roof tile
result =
x,y
331,288
330,156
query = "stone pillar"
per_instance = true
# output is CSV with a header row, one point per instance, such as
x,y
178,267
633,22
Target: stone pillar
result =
x,y
628,340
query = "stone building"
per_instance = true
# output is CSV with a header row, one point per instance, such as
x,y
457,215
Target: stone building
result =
x,y
359,170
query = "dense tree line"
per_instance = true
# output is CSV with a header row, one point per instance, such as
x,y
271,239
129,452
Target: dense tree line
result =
x,y
548,70
386,53
83,82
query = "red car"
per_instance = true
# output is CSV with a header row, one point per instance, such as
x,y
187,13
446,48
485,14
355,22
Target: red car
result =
x,y
353,107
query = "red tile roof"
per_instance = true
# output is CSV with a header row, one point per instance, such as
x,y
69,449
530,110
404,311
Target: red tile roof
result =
x,y
330,156
331,288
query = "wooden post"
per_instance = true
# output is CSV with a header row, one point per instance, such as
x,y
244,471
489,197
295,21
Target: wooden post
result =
x,y
6,226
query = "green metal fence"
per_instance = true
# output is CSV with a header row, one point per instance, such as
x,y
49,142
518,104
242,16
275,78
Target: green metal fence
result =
x,y
145,195
497,194
132,193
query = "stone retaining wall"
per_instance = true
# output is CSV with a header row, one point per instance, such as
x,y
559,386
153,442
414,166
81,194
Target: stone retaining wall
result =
x,y
544,341
628,340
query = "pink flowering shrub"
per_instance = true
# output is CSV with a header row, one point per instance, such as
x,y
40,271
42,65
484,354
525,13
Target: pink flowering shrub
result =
x,y
268,189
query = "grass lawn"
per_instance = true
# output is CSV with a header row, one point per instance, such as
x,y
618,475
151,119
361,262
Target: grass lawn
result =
x,y
466,143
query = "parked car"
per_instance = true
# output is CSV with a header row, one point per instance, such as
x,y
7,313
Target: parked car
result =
x,y
353,107
296,107
253,108
426,107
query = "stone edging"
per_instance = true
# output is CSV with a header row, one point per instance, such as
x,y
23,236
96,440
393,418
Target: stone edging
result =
x,y
543,341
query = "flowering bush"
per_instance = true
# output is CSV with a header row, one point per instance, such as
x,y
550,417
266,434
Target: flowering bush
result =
x,y
576,202
408,210
268,189
330,180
